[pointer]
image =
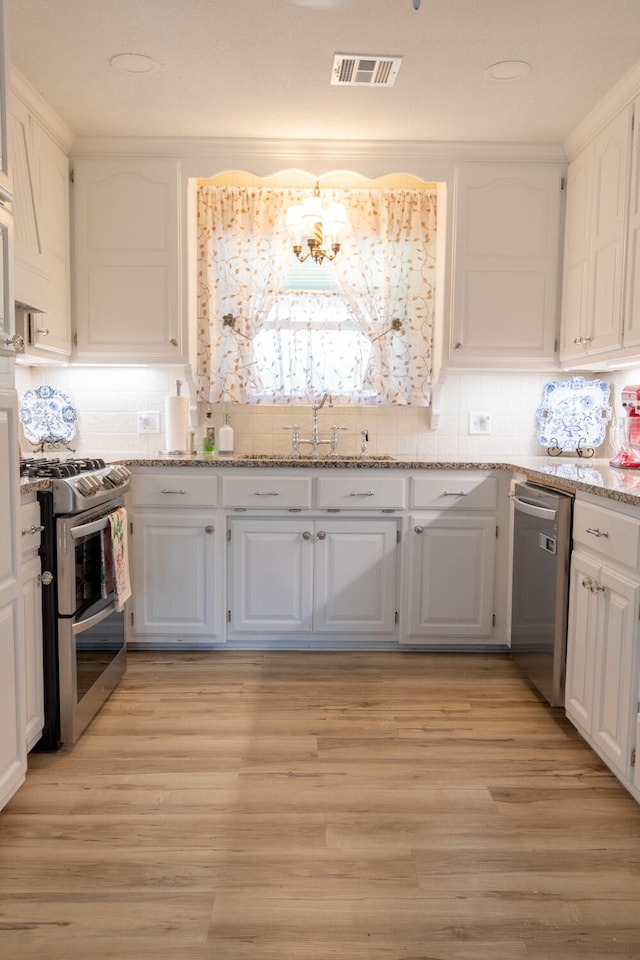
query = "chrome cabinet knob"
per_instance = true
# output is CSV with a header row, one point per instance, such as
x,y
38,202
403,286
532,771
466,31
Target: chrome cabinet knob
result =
x,y
306,535
46,577
209,528
418,529
321,535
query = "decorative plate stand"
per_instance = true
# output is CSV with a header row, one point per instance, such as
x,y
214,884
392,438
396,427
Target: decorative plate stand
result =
x,y
48,417
573,416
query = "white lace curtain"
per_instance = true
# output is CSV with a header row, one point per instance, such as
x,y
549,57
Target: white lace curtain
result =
x,y
374,330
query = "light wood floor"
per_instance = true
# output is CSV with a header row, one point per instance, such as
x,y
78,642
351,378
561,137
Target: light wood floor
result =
x,y
349,806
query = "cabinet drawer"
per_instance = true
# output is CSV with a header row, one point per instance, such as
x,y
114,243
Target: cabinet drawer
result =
x,y
360,492
30,527
454,490
613,535
174,489
264,491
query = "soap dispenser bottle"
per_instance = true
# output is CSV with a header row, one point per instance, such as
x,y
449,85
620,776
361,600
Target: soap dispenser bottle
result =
x,y
209,436
225,437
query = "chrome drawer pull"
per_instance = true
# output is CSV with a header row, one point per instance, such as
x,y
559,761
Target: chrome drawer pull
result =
x,y
177,492
266,493
362,493
594,531
460,494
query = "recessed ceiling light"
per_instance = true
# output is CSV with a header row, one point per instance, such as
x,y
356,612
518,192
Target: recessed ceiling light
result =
x,y
134,63
508,70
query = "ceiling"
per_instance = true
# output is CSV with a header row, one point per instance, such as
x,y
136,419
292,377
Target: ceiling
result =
x,y
261,68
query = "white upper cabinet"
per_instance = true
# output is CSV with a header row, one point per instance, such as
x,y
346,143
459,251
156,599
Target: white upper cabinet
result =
x,y
127,260
42,254
6,187
505,284
632,285
595,235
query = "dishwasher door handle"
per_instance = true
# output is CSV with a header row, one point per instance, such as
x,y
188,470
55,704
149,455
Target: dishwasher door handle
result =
x,y
543,513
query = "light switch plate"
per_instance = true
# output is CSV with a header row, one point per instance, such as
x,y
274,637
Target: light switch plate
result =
x,y
149,422
479,423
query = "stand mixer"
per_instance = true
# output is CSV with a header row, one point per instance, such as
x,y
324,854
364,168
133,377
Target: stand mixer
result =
x,y
625,434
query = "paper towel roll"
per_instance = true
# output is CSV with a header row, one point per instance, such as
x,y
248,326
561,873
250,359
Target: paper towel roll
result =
x,y
176,430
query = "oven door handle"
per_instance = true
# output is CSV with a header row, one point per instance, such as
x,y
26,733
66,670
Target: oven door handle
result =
x,y
86,529
81,625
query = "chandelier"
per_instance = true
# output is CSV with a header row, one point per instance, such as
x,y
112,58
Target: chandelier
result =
x,y
319,225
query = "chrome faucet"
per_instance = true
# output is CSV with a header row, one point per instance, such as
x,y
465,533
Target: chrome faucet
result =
x,y
315,436
315,440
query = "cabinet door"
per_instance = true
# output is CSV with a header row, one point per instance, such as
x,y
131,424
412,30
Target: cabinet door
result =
x,y
32,611
5,172
7,328
577,244
632,289
581,634
12,739
355,576
127,263
611,167
271,576
451,575
506,263
174,572
615,678
41,211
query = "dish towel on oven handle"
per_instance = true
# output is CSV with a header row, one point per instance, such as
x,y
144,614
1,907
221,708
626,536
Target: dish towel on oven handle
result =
x,y
120,557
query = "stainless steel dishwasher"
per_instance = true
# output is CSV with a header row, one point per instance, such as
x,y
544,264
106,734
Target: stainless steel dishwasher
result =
x,y
540,586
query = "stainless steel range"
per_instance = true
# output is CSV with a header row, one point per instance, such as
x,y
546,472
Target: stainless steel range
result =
x,y
83,622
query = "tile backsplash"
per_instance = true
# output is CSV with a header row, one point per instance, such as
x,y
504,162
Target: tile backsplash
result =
x,y
109,399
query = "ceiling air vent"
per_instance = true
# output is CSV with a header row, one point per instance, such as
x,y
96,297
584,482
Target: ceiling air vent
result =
x,y
364,70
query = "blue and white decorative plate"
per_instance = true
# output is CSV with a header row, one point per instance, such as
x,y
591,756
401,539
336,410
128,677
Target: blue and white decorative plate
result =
x,y
48,415
573,414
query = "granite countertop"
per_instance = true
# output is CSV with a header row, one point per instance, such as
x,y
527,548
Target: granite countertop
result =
x,y
591,476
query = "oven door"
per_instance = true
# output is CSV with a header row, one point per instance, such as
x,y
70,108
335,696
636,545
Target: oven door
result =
x,y
92,659
80,544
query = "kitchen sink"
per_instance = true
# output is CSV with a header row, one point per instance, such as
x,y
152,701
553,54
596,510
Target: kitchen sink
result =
x,y
325,458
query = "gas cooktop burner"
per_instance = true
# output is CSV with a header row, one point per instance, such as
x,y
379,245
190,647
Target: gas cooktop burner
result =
x,y
56,468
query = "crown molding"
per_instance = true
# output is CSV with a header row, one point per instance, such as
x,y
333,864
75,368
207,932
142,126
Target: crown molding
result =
x,y
619,97
53,124
292,152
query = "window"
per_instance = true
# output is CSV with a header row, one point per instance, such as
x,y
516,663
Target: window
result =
x,y
274,330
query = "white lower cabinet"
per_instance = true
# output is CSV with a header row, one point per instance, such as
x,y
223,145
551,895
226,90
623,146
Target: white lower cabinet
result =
x,y
32,621
13,751
174,569
451,575
603,637
326,576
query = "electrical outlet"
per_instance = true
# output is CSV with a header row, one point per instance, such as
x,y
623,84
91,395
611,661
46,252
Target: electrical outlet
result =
x,y
149,422
479,423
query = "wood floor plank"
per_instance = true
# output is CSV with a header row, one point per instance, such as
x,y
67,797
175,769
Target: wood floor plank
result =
x,y
321,806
